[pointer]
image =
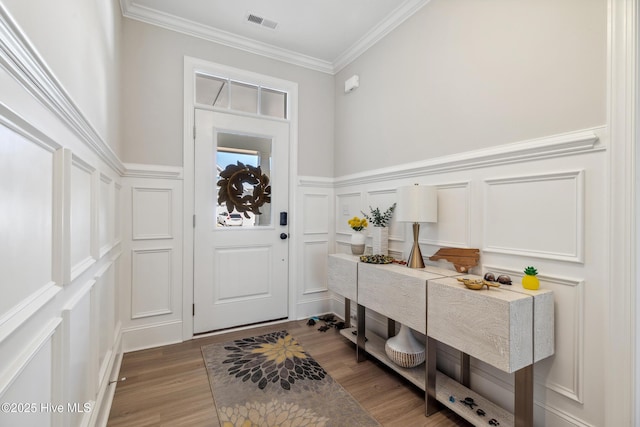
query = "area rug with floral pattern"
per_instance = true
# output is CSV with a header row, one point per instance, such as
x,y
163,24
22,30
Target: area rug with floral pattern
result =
x,y
269,380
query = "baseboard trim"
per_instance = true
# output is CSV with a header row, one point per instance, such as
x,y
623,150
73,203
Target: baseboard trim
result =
x,y
153,335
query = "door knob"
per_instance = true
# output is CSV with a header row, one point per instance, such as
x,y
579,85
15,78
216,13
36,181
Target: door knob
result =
x,y
284,236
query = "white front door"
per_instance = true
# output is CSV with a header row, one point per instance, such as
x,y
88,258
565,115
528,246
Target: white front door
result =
x,y
240,237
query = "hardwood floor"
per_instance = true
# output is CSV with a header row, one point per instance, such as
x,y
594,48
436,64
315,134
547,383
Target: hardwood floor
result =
x,y
168,386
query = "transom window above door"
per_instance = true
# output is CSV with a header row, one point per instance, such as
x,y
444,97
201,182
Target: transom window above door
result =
x,y
233,95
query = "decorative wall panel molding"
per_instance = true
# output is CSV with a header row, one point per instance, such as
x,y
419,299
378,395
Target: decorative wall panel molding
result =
x,y
151,282
152,213
22,61
315,211
540,216
572,143
78,350
83,213
32,365
103,317
117,220
62,217
454,217
25,309
105,215
314,259
563,373
26,171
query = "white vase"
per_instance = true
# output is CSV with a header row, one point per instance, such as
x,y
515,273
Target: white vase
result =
x,y
380,241
357,242
404,349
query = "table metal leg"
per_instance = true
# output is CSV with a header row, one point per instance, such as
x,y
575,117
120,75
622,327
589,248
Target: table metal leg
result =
x,y
391,328
360,351
347,313
431,403
523,413
465,370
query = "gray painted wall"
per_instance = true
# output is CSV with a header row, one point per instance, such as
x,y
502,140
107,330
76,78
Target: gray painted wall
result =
x,y
466,74
80,41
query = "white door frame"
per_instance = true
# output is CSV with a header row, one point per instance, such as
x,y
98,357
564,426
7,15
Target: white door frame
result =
x,y
191,66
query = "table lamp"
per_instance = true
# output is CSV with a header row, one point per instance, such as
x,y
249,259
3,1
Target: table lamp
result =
x,y
416,204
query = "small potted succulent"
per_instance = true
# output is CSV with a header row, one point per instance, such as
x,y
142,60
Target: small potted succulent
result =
x,y
380,232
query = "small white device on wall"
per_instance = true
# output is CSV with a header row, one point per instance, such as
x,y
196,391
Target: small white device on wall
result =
x,y
351,83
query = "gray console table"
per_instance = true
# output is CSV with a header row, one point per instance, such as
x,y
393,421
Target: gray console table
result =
x,y
509,328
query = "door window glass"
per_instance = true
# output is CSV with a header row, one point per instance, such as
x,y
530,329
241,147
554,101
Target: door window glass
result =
x,y
224,93
243,190
244,97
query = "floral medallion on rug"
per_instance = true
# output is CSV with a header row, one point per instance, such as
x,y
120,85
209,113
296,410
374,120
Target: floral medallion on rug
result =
x,y
269,380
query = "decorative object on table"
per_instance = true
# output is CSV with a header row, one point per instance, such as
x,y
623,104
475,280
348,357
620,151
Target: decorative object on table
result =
x,y
357,238
530,281
416,204
233,180
380,233
404,349
477,284
503,279
247,390
462,259
376,259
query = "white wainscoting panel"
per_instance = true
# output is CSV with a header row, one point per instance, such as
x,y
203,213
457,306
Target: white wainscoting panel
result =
x,y
151,282
103,321
78,350
315,266
315,209
105,215
31,387
152,213
454,217
538,216
26,211
82,213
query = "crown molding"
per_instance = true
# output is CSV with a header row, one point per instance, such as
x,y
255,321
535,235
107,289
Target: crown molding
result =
x,y
397,17
195,29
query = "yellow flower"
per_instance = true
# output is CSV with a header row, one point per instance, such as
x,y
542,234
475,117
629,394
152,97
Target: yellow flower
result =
x,y
357,223
285,348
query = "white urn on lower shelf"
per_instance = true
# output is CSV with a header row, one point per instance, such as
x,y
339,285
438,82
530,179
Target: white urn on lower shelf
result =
x,y
404,349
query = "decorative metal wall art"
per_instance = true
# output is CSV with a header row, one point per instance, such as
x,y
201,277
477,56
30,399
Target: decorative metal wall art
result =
x,y
235,195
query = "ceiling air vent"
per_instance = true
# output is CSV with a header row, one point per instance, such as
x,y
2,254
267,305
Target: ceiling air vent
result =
x,y
259,20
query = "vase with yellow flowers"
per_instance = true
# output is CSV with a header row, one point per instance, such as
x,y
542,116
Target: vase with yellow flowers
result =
x,y
357,238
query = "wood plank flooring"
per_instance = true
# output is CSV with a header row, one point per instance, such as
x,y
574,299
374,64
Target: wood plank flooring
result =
x,y
168,386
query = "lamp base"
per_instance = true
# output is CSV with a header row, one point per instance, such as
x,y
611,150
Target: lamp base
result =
x,y
415,257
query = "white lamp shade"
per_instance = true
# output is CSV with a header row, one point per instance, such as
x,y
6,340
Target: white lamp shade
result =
x,y
417,203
